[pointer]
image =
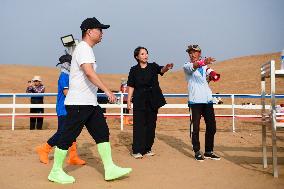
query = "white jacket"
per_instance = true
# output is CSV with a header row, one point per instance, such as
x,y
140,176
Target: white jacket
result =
x,y
198,88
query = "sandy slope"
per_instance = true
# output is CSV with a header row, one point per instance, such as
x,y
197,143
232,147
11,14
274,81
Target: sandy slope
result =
x,y
173,167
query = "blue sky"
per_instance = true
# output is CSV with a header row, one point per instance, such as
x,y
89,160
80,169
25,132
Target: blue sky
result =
x,y
31,30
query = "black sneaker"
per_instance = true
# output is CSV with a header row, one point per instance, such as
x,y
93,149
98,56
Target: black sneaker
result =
x,y
198,156
211,155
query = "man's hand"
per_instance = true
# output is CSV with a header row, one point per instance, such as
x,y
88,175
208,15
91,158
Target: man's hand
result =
x,y
209,60
111,97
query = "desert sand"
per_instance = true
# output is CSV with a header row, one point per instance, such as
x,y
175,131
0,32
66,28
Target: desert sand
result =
x,y
173,166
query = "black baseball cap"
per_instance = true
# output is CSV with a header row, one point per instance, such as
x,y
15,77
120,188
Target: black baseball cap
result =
x,y
64,58
91,23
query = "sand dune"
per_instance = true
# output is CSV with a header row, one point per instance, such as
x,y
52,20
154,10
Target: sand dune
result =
x,y
173,166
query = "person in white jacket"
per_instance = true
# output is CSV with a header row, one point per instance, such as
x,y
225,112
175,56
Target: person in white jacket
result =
x,y
201,100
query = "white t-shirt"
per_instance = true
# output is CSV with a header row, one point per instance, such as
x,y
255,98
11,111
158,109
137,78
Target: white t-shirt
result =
x,y
81,90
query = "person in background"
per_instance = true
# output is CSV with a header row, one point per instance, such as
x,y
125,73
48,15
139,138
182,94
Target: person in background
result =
x,y
83,109
63,87
201,100
35,86
143,86
124,89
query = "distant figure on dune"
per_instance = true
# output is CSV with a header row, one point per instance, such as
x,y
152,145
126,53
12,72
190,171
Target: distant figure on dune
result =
x,y
201,100
83,109
63,87
143,86
35,86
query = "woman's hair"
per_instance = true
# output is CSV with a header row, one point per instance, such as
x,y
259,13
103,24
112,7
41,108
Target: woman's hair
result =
x,y
137,50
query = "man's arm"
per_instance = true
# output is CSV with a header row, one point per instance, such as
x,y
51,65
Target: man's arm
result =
x,y
95,79
203,62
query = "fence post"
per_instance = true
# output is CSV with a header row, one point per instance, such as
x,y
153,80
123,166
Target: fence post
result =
x,y
263,115
14,112
233,111
273,118
121,111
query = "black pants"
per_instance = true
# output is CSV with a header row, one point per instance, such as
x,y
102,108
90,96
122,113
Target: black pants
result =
x,y
79,116
61,124
207,111
144,126
36,122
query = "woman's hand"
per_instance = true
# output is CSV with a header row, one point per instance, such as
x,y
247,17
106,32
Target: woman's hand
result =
x,y
167,67
170,66
129,105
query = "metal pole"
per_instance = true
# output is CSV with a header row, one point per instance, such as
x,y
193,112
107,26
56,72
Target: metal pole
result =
x,y
264,149
233,111
121,111
273,118
14,112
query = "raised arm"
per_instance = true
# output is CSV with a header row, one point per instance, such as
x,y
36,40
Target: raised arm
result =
x,y
167,67
203,62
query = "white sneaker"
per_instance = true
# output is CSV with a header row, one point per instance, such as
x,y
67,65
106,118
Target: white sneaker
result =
x,y
137,156
150,153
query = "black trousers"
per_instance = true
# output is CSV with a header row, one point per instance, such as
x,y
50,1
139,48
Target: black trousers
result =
x,y
79,116
61,124
207,111
144,126
36,122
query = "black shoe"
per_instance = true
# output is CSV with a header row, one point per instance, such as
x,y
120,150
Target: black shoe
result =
x,y
198,156
211,155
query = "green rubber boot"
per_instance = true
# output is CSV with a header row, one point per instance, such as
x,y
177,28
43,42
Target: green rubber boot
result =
x,y
57,174
111,170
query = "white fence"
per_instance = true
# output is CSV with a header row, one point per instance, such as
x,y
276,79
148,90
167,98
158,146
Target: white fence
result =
x,y
119,105
268,72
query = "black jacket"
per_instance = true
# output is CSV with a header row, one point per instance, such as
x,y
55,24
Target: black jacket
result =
x,y
146,86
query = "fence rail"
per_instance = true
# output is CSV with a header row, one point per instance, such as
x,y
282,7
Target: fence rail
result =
x,y
120,105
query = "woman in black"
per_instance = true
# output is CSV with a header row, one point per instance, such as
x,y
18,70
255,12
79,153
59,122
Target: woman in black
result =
x,y
147,99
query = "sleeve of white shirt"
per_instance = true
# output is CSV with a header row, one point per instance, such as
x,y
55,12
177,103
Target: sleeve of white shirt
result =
x,y
85,55
188,67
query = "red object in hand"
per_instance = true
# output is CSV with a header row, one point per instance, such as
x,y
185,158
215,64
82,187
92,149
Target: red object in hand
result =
x,y
213,75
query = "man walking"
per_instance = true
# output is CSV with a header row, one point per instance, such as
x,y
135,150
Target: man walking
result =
x,y
82,107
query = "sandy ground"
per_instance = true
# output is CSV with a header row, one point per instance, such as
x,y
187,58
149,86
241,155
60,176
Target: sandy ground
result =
x,y
172,167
